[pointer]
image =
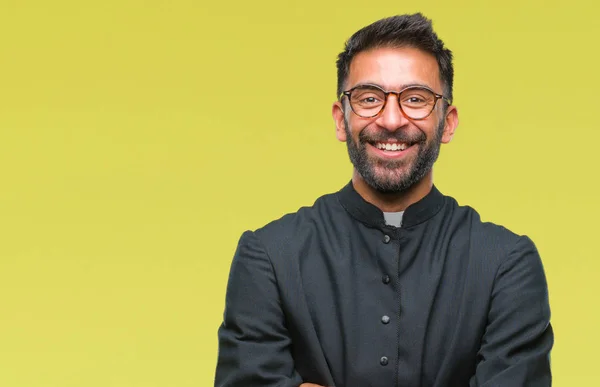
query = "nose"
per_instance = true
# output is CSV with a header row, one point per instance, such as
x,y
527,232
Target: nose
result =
x,y
392,118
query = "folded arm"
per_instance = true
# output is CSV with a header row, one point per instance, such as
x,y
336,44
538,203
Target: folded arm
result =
x,y
254,344
515,349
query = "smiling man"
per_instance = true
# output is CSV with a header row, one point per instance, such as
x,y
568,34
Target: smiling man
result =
x,y
387,282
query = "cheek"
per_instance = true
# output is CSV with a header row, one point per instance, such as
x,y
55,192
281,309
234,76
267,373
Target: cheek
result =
x,y
355,133
355,126
433,127
350,129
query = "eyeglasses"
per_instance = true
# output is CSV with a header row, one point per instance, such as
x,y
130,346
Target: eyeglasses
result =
x,y
416,102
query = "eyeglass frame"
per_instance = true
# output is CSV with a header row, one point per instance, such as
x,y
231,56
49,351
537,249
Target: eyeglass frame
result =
x,y
387,93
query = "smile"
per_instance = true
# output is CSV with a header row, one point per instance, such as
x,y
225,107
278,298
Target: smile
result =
x,y
393,146
391,149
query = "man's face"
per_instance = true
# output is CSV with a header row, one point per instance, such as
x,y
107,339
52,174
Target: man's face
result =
x,y
415,144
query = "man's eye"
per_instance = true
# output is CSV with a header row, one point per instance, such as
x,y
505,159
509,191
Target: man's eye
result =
x,y
370,100
415,100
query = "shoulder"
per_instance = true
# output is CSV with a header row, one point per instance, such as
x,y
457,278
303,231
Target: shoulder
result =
x,y
293,228
487,238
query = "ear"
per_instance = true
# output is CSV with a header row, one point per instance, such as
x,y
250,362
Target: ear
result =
x,y
450,124
337,111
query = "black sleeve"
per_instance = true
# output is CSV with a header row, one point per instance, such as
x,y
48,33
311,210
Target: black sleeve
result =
x,y
254,343
516,345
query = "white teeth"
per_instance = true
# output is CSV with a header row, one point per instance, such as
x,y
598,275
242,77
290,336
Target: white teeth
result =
x,y
391,146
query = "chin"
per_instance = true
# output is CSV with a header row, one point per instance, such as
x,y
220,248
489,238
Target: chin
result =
x,y
393,180
389,186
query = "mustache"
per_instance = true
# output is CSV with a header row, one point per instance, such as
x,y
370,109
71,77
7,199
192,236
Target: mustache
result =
x,y
384,135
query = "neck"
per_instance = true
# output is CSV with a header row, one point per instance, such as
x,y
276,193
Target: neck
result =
x,y
393,202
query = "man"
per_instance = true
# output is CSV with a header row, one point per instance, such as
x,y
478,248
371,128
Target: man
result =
x,y
387,282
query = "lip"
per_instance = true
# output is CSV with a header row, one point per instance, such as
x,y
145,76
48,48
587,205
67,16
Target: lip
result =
x,y
390,155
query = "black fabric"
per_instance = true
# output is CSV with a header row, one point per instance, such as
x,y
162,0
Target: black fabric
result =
x,y
323,296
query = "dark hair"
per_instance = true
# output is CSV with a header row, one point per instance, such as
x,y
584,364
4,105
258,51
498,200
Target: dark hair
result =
x,y
398,31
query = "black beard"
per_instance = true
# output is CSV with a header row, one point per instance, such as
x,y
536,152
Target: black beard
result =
x,y
393,181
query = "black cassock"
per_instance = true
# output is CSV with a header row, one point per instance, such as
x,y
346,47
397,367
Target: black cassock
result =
x,y
332,295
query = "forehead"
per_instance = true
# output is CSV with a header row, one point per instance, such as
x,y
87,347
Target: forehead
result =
x,y
394,68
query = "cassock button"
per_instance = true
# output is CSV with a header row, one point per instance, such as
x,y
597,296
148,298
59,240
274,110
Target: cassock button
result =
x,y
383,361
386,239
385,319
385,279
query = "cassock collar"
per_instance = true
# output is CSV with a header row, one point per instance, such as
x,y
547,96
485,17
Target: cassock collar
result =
x,y
372,216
